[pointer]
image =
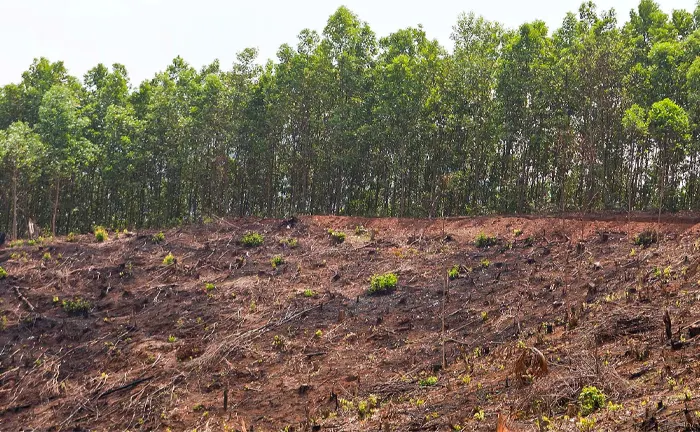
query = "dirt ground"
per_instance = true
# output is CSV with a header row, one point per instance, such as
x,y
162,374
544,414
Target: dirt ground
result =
x,y
106,336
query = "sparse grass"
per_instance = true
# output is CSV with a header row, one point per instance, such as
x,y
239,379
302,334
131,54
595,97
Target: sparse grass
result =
x,y
101,234
484,241
382,283
252,239
337,237
77,306
291,243
158,238
3,273
169,259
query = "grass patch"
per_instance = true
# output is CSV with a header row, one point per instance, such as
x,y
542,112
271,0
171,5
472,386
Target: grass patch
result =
x,y
252,239
337,237
382,283
101,235
77,306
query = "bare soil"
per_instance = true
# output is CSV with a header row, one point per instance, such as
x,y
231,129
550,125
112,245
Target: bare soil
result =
x,y
303,346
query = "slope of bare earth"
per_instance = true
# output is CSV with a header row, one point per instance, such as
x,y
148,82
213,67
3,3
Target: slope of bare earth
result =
x,y
303,346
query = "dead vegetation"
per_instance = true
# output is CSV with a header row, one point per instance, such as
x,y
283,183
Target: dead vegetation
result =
x,y
219,339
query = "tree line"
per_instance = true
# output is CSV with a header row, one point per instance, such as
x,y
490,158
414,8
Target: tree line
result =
x,y
595,115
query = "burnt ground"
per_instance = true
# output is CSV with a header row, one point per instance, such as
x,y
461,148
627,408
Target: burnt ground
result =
x,y
303,346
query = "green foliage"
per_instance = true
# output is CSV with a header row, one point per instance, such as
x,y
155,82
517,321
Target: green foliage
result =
x,y
158,237
169,259
382,283
101,234
484,241
71,237
46,256
291,243
276,261
591,399
337,237
646,238
76,306
209,287
308,292
3,273
252,239
453,273
428,381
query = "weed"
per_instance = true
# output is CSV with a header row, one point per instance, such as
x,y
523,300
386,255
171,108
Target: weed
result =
x,y
72,237
479,415
77,306
209,287
484,241
453,273
485,263
360,230
484,316
382,283
646,238
308,292
3,273
277,260
291,243
614,407
337,237
591,399
633,252
158,238
586,424
278,341
101,234
169,259
252,239
428,382
47,256
31,242
172,339
517,232
198,407
318,334
16,243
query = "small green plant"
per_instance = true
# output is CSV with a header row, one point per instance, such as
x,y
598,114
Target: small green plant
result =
x,y
101,234
3,273
172,339
158,238
47,256
586,424
484,241
484,316
31,242
308,292
77,306
517,232
485,263
591,399
337,237
453,273
252,239
169,259
72,237
479,415
276,261
278,341
16,243
318,334
382,283
428,381
646,238
291,243
209,287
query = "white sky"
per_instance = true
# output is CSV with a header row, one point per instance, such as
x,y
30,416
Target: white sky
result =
x,y
145,35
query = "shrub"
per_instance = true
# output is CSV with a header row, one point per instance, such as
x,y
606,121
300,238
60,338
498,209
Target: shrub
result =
x,y
308,292
209,287
646,238
483,240
158,238
337,237
101,234
252,239
517,232
72,237
382,283
77,306
591,399
169,259
3,273
291,243
172,339
277,260
428,382
16,243
453,273
47,256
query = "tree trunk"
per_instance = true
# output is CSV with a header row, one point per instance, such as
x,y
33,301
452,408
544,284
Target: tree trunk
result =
x,y
55,206
15,174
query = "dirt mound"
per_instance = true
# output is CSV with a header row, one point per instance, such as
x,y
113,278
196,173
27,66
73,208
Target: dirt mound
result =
x,y
196,330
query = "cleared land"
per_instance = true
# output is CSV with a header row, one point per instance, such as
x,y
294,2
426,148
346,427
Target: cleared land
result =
x,y
302,345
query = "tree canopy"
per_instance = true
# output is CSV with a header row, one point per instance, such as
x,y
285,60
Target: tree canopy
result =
x,y
593,115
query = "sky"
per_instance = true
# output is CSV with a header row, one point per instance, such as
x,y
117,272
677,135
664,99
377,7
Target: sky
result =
x,y
145,35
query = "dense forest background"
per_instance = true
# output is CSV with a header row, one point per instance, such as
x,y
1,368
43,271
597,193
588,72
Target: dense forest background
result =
x,y
595,115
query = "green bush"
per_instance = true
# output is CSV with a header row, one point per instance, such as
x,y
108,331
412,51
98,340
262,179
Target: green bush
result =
x,y
158,238
101,234
252,239
77,306
72,237
453,273
169,259
428,382
337,237
209,287
382,283
276,260
3,273
483,240
591,399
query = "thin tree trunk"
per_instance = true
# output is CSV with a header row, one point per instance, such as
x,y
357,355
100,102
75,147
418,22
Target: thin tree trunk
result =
x,y
55,206
14,204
